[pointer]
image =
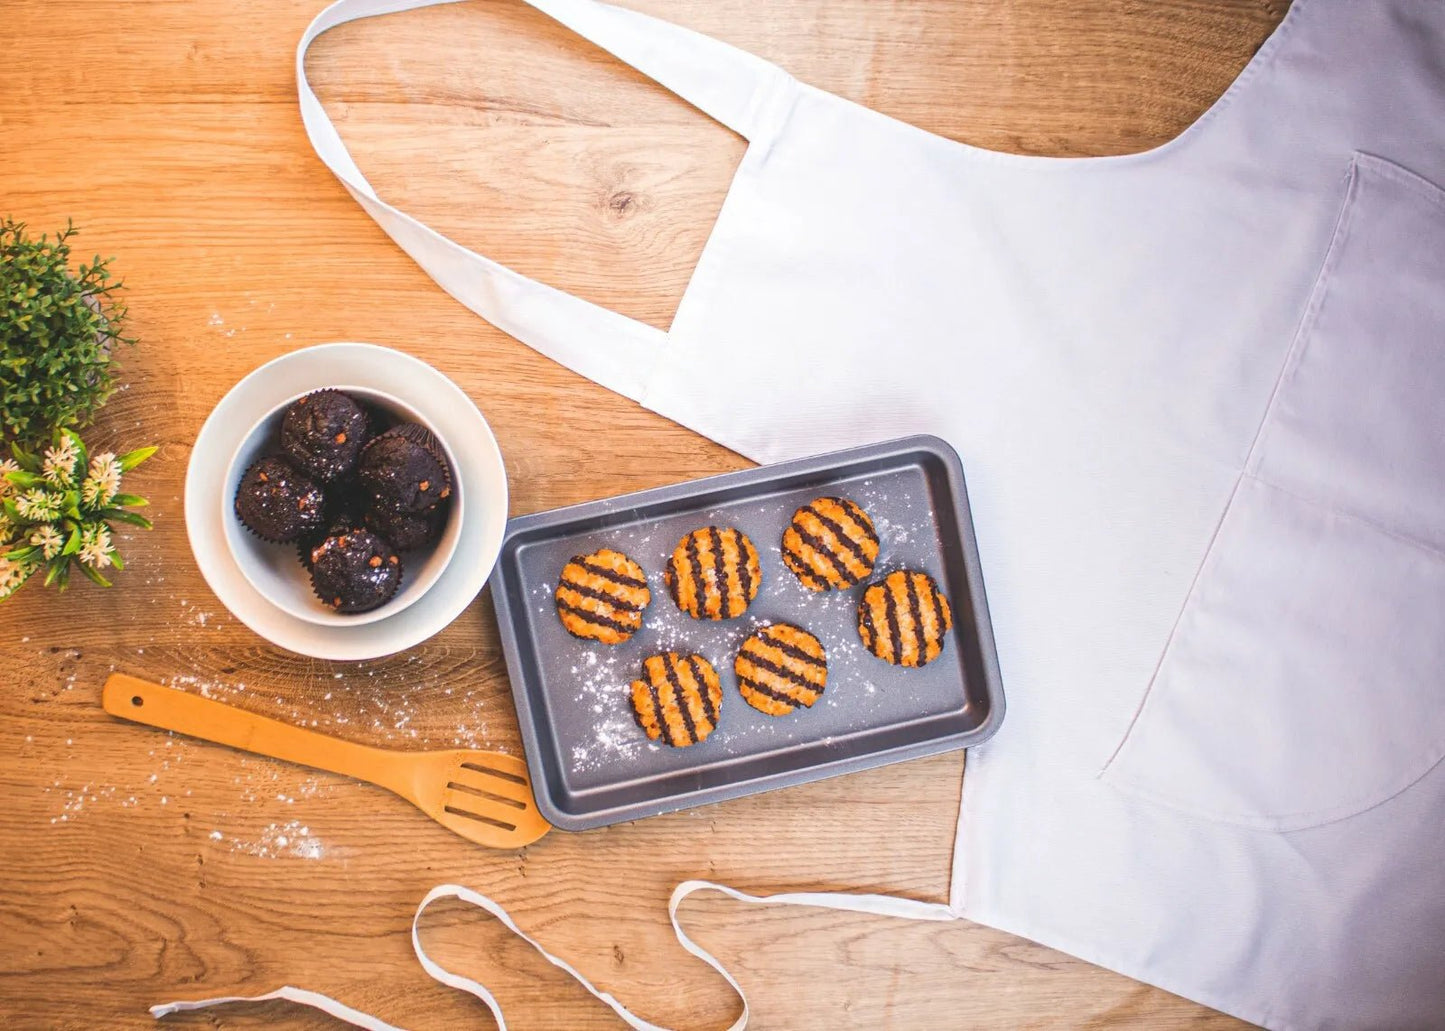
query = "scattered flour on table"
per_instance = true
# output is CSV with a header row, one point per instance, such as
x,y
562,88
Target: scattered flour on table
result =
x,y
392,702
277,840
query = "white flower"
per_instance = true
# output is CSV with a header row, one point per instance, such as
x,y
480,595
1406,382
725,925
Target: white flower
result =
x,y
95,546
60,462
48,539
38,505
103,483
12,575
7,465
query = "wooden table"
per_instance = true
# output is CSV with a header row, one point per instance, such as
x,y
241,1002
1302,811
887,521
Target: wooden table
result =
x,y
139,867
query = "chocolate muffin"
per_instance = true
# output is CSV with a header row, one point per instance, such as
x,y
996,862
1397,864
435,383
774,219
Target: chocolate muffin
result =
x,y
340,519
408,531
781,667
830,543
277,502
355,571
904,618
405,470
713,573
323,433
677,699
601,596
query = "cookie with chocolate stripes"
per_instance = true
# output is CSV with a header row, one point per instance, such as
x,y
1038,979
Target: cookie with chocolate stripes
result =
x,y
904,618
831,543
781,667
677,699
601,596
714,573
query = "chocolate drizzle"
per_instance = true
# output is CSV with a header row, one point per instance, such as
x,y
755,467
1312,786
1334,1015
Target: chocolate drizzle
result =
x,y
719,573
709,703
788,648
915,613
588,563
662,726
764,689
694,568
763,662
890,619
840,533
680,698
588,616
745,574
615,601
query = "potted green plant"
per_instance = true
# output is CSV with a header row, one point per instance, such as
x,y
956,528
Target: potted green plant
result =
x,y
58,331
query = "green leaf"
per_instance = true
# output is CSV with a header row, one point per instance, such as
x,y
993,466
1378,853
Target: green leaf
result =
x,y
12,514
53,571
25,480
115,560
94,575
134,458
129,501
27,461
72,545
63,580
122,516
22,555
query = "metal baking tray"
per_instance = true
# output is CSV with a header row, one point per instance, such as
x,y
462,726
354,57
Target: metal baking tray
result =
x,y
590,763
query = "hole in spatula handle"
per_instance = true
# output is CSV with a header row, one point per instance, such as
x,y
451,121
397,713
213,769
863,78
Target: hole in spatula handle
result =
x,y
137,701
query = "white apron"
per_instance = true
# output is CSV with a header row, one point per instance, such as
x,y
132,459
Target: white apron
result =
x,y
1200,395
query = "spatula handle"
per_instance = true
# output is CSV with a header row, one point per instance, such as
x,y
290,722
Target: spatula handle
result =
x,y
143,702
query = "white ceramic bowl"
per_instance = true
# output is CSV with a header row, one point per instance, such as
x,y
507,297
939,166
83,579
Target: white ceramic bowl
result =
x,y
275,570
414,388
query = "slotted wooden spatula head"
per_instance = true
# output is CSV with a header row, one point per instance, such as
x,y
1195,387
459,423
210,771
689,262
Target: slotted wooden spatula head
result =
x,y
483,796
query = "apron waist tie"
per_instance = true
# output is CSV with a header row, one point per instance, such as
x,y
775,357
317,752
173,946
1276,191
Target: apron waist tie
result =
x,y
876,905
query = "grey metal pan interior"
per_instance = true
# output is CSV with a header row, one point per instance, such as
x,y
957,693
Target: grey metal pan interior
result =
x,y
590,763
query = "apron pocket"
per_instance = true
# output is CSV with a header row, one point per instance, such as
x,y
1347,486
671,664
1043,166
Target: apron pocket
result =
x,y
1305,679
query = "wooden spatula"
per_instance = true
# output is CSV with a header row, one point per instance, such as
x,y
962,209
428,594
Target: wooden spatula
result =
x,y
483,796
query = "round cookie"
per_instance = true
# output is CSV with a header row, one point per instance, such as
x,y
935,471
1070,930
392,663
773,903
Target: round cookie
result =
x,y
404,469
277,502
831,543
601,596
323,433
355,571
714,573
904,618
677,699
781,667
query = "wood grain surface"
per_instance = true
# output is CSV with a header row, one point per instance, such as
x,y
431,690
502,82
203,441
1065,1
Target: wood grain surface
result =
x,y
140,867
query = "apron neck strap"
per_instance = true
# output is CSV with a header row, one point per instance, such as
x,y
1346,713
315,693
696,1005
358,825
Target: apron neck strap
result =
x,y
728,85
731,86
